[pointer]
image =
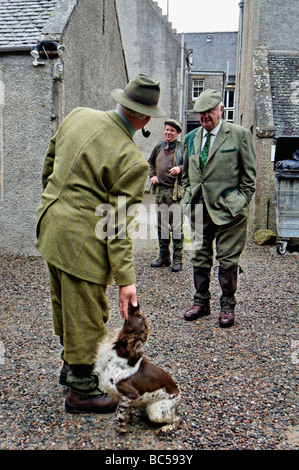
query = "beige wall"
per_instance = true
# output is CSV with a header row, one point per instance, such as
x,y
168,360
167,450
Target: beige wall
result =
x,y
93,65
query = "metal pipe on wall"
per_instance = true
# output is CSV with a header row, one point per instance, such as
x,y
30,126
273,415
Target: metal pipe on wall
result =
x,y
237,95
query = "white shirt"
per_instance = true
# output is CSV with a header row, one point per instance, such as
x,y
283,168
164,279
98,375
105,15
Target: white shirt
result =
x,y
213,133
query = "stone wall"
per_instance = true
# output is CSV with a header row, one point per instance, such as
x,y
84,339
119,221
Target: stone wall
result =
x,y
267,91
27,129
152,47
94,60
32,105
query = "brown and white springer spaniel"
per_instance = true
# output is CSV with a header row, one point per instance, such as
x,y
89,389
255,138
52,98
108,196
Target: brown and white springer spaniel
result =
x,y
132,380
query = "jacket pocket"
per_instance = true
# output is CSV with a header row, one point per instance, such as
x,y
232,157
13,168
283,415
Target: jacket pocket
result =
x,y
41,210
228,150
234,201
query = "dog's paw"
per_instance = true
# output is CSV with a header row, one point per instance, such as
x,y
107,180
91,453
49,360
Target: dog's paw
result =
x,y
123,429
168,428
165,430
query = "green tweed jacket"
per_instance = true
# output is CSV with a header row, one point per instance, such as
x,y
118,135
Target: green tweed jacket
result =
x,y
93,172
227,181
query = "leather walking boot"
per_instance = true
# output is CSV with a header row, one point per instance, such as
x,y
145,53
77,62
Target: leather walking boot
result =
x,y
177,254
84,394
201,306
197,311
226,319
228,283
201,278
176,267
164,252
78,403
160,262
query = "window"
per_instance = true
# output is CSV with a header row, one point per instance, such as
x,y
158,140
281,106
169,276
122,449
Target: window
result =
x,y
229,110
197,88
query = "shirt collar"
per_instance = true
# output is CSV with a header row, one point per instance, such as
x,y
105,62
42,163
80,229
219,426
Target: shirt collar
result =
x,y
172,144
213,131
127,122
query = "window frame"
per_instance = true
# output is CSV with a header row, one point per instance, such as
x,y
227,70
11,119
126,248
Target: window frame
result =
x,y
198,87
228,109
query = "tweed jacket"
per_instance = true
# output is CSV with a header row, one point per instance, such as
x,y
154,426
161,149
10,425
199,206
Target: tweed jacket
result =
x,y
93,172
227,181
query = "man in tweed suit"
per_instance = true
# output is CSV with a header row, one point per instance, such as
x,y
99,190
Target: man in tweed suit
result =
x,y
93,172
220,178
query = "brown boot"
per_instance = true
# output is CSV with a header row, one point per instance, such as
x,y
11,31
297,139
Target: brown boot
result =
x,y
201,277
226,319
197,311
228,281
79,403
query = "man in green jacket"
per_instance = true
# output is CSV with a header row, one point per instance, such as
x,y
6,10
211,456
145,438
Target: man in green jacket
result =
x,y
219,181
93,172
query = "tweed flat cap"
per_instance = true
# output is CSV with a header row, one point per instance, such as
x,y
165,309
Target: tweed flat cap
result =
x,y
174,123
208,99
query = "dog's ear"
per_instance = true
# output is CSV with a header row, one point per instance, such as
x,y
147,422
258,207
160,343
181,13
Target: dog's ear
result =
x,y
129,346
135,347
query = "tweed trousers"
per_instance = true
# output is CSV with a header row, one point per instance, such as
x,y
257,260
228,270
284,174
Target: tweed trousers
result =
x,y
229,240
80,312
169,222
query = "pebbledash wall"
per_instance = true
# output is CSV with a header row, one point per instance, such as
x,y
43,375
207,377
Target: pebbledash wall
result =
x,y
26,130
32,103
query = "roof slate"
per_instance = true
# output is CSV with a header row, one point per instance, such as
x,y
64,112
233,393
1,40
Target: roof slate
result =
x,y
284,79
21,21
213,51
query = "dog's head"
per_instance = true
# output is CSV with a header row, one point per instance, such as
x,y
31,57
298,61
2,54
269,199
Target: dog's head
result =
x,y
133,334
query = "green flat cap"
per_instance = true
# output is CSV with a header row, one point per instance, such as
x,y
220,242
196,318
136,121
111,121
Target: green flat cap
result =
x,y
141,94
207,100
174,123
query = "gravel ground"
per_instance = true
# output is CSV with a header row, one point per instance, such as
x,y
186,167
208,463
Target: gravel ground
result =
x,y
239,385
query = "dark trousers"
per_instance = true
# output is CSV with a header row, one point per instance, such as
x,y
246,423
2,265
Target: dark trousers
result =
x,y
229,242
169,223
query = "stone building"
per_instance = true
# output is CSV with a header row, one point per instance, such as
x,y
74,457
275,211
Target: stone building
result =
x,y
77,60
267,90
152,47
211,64
83,49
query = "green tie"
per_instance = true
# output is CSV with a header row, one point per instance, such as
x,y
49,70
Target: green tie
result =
x,y
205,151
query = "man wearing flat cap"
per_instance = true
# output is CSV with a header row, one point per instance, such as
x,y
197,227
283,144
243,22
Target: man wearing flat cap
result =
x,y
218,174
166,163
93,172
